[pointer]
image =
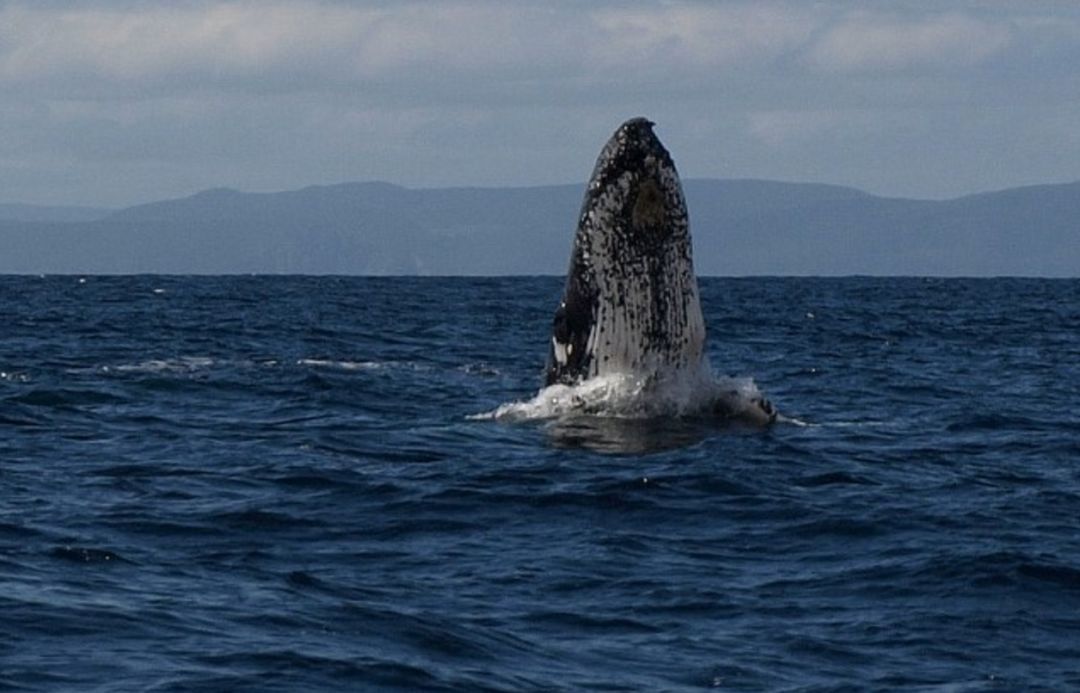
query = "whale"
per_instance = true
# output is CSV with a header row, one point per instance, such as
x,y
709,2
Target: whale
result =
x,y
631,305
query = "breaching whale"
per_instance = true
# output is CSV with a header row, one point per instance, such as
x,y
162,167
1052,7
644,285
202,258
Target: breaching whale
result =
x,y
630,305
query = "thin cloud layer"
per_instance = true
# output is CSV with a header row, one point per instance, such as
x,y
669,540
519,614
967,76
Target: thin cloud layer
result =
x,y
335,42
264,41
715,36
866,41
116,102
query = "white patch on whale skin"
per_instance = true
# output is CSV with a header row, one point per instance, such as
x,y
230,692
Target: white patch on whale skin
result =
x,y
559,349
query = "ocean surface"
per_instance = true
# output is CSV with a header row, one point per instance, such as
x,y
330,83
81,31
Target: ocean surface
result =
x,y
298,484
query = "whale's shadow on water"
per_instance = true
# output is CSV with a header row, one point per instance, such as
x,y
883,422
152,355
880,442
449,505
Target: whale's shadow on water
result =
x,y
617,435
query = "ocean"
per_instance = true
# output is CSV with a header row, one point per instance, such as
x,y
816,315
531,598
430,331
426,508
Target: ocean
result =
x,y
303,483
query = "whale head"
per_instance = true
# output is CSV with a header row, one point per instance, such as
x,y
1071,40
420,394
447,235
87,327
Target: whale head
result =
x,y
630,305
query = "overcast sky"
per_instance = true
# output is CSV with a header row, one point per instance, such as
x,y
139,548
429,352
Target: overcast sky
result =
x,y
115,103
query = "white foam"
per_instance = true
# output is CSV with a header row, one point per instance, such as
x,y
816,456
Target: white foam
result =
x,y
14,377
192,364
687,394
386,367
342,365
183,364
479,368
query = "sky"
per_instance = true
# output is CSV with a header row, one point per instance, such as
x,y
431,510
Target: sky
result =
x,y
113,102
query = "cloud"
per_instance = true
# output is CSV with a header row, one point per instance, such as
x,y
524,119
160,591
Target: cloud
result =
x,y
698,35
315,42
161,42
132,100
866,41
267,42
478,46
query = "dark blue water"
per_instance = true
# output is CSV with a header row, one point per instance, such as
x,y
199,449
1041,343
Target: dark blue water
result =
x,y
274,484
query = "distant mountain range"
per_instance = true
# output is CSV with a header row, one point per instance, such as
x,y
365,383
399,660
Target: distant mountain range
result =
x,y
740,227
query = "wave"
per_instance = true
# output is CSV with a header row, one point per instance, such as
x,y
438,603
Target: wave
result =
x,y
343,365
182,364
191,364
14,377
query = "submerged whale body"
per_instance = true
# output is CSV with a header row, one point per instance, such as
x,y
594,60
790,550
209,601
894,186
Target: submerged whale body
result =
x,y
630,307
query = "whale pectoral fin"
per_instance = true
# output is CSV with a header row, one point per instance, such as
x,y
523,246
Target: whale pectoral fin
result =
x,y
559,369
559,352
568,358
561,346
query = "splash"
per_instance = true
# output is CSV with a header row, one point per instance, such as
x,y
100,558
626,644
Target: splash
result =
x,y
686,394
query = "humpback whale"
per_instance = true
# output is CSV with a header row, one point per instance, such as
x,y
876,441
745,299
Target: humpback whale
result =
x,y
630,305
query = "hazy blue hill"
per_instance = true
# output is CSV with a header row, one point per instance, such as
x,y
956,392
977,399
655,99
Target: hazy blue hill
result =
x,y
1029,230
368,228
716,198
326,201
341,229
499,230
739,226
1022,231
